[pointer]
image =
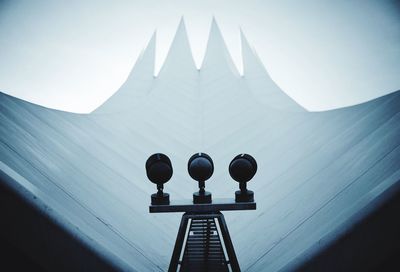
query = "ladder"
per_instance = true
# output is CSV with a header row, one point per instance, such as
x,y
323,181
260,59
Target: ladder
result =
x,y
204,247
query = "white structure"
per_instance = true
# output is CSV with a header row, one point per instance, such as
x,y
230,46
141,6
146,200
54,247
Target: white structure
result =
x,y
316,170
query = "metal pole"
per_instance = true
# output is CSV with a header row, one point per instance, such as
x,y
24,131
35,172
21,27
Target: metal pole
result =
x,y
228,243
173,266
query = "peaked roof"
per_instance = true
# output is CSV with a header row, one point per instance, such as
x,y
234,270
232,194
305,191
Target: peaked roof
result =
x,y
144,67
217,59
179,67
179,59
251,63
137,83
259,81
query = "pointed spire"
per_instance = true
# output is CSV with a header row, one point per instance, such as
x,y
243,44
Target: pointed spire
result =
x,y
179,55
137,82
251,62
144,66
217,57
260,83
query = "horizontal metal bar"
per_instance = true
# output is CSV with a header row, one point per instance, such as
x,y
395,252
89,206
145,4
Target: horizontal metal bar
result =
x,y
216,205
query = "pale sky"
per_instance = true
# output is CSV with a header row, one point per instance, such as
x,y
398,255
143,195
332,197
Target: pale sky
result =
x,y
73,55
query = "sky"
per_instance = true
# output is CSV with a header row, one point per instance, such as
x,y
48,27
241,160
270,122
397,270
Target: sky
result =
x,y
73,55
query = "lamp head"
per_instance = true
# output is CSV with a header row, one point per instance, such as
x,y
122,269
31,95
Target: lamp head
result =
x,y
200,167
159,168
243,168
